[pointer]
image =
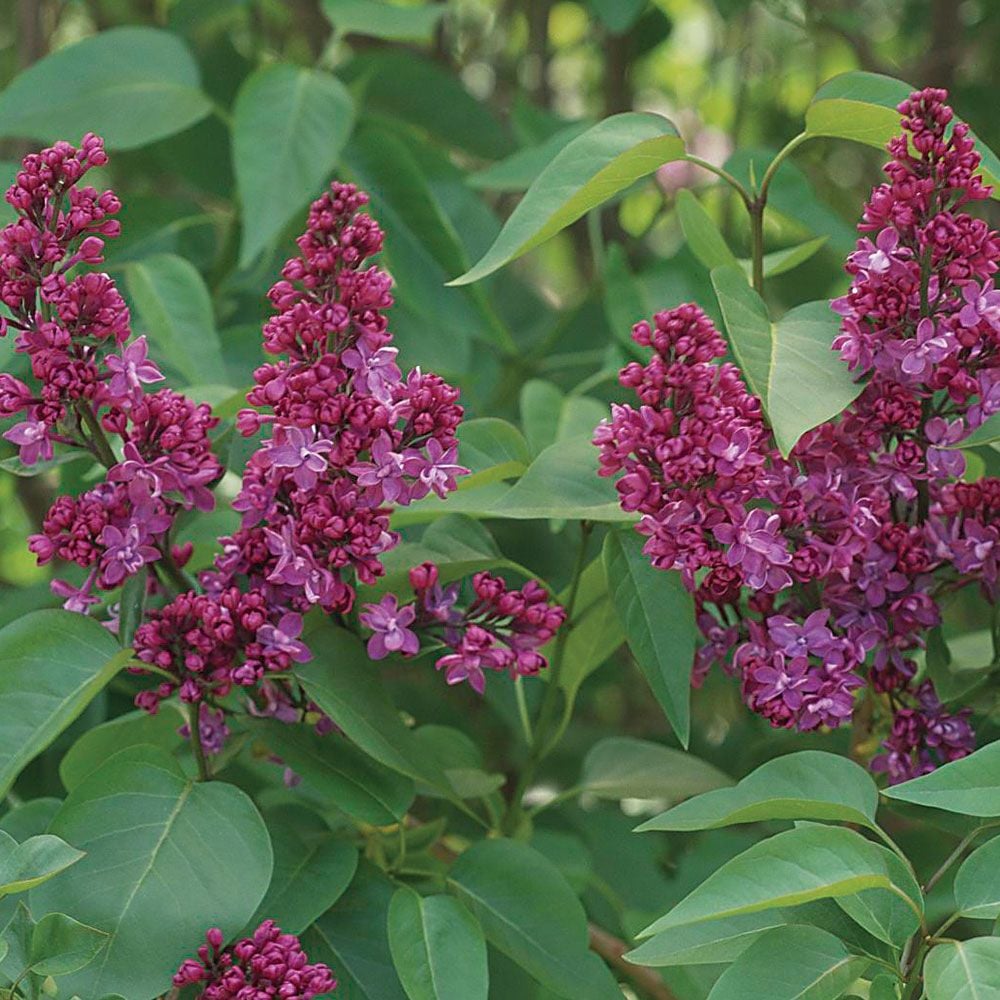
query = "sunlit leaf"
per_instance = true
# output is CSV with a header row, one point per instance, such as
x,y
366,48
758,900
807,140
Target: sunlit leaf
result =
x,y
789,364
589,170
861,106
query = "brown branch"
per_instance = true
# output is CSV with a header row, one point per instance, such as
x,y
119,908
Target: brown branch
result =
x,y
612,950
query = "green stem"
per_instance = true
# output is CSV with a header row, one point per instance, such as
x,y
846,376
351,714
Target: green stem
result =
x,y
596,240
914,978
950,860
779,158
757,243
204,771
756,205
543,743
522,711
723,174
97,438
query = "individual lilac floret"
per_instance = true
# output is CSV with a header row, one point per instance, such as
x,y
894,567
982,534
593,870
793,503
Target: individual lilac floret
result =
x,y
131,370
390,628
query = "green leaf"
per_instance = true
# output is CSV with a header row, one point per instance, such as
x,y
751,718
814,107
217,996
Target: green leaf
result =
x,y
422,247
156,867
884,987
437,947
491,449
457,544
549,415
623,767
132,85
588,171
96,745
702,234
861,107
709,942
886,916
970,786
339,772
388,21
956,671
529,912
986,434
312,870
596,631
132,603
413,89
790,365
517,171
30,818
562,482
344,683
60,945
781,261
806,863
714,941
977,882
460,760
176,311
289,127
657,614
963,970
353,939
791,963
809,784
23,866
54,663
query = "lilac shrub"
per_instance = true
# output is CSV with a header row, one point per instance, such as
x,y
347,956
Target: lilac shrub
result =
x,y
820,574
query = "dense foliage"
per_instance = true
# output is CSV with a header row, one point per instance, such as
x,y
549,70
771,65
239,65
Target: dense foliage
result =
x,y
464,537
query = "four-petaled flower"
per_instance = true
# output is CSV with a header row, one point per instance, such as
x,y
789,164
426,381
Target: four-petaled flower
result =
x,y
390,628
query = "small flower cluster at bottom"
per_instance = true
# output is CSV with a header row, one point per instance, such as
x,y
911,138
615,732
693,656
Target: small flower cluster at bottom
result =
x,y
268,966
501,629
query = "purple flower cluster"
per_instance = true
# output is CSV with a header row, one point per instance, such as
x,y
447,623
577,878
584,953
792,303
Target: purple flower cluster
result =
x,y
819,574
89,381
501,628
349,435
269,965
